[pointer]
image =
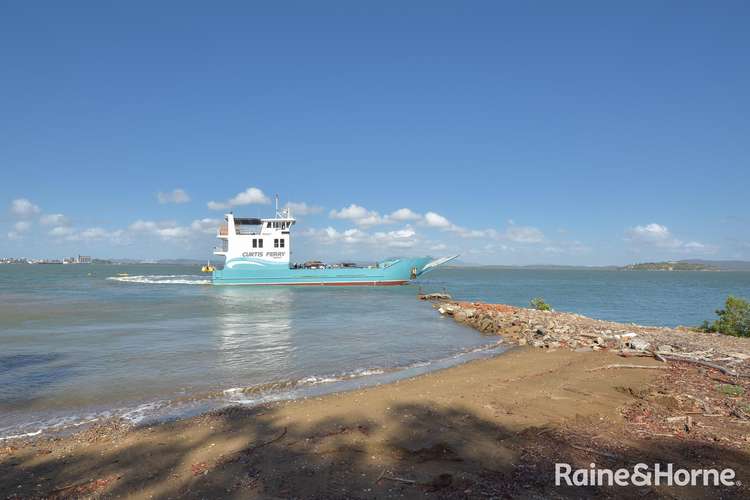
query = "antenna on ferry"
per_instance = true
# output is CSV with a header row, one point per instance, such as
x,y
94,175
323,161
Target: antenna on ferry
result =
x,y
277,205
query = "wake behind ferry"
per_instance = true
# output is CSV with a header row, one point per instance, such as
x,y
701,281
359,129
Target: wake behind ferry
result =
x,y
257,252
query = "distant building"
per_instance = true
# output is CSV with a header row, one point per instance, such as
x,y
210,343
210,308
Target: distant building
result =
x,y
84,259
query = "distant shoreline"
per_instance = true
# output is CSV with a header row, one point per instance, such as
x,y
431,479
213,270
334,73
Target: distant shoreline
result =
x,y
670,266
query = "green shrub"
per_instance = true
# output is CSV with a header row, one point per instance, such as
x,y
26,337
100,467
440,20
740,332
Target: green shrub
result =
x,y
539,304
731,390
733,320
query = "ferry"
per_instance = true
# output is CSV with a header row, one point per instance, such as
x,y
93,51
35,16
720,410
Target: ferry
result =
x,y
257,252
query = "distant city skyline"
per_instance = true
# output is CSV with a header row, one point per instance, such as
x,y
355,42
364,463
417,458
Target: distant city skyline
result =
x,y
579,134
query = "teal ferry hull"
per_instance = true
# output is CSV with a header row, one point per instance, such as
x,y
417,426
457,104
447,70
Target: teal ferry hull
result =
x,y
253,272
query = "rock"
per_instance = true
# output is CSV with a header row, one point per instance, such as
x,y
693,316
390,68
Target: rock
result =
x,y
572,331
639,344
434,296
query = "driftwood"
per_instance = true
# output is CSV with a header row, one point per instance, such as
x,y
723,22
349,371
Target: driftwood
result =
x,y
644,367
393,478
725,371
659,357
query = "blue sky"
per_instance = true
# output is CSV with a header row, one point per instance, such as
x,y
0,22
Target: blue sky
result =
x,y
530,132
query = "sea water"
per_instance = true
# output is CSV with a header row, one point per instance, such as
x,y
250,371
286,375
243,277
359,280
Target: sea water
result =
x,y
82,343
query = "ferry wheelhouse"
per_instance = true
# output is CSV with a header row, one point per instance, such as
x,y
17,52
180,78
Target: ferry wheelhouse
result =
x,y
258,252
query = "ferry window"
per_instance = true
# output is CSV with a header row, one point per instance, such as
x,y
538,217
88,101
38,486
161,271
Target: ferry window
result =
x,y
281,243
276,243
255,243
260,243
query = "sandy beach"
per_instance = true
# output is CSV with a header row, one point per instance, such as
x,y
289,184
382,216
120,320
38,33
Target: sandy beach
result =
x,y
489,428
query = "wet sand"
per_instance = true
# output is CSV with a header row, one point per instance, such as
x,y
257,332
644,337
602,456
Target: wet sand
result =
x,y
489,428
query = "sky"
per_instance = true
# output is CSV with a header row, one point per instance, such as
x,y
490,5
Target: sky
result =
x,y
585,133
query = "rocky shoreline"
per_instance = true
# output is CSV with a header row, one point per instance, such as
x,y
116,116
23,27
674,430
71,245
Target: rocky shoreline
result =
x,y
552,330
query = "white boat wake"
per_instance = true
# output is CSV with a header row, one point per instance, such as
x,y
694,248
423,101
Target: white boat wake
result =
x,y
155,279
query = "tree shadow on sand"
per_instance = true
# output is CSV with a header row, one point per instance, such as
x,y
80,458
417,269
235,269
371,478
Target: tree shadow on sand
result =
x,y
416,451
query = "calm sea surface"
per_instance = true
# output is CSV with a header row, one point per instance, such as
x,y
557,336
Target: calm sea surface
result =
x,y
80,343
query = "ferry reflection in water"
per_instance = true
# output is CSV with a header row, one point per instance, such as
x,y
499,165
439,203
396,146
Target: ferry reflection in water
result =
x,y
254,330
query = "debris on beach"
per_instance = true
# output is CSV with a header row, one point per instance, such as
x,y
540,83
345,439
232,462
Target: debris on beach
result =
x,y
557,330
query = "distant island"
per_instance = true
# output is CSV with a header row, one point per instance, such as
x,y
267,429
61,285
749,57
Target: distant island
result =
x,y
670,266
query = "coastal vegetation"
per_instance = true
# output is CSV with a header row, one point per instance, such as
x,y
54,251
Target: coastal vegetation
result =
x,y
539,304
733,320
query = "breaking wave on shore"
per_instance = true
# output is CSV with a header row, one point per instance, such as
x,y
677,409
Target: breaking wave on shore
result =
x,y
172,279
194,404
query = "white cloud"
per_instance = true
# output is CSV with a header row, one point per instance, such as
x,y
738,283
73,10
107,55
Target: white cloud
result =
x,y
352,212
567,248
22,226
653,233
694,245
98,233
659,236
216,205
22,207
170,230
404,214
475,233
433,219
359,215
402,238
302,208
330,235
19,229
67,233
54,220
164,229
206,226
523,234
250,196
175,196
61,231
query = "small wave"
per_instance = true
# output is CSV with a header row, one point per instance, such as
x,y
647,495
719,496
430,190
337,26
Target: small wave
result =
x,y
141,412
17,436
314,385
54,425
155,279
